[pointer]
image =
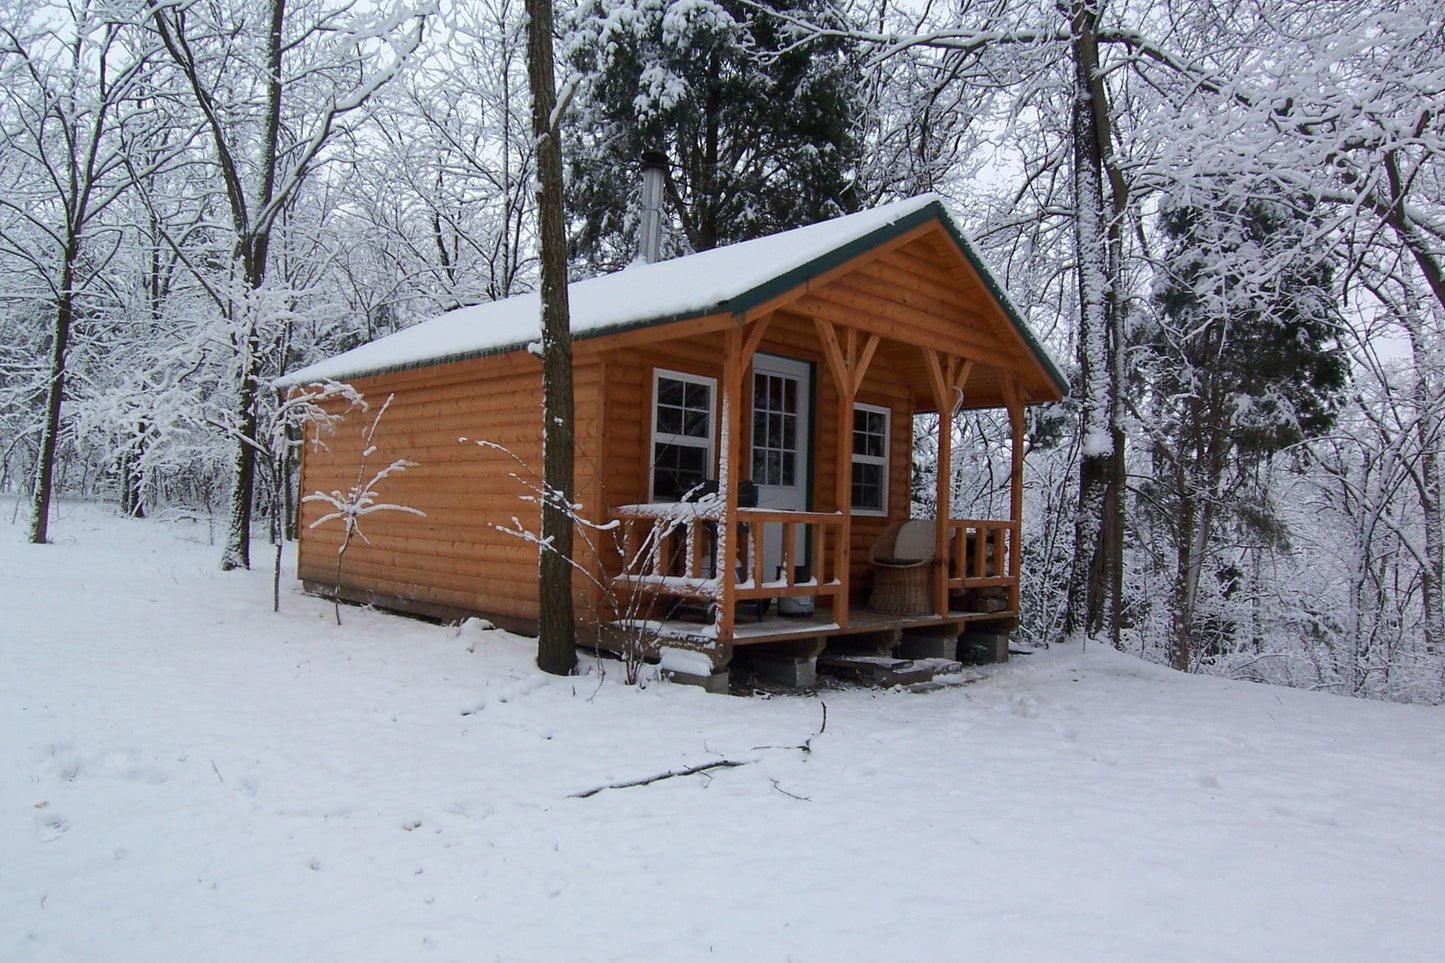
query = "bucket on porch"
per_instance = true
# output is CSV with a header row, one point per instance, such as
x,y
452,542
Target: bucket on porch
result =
x,y
796,604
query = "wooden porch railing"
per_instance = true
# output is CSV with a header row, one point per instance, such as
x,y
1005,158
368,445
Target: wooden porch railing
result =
x,y
983,553
675,550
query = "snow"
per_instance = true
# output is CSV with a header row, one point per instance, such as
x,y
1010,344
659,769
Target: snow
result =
x,y
686,661
683,287
187,775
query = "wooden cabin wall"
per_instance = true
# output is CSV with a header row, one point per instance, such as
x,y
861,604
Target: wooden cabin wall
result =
x,y
453,561
883,386
628,402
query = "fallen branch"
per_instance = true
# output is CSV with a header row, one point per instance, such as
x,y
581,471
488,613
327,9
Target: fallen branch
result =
x,y
807,745
791,795
689,771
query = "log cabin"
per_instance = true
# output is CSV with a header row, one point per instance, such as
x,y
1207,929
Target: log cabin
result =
x,y
747,410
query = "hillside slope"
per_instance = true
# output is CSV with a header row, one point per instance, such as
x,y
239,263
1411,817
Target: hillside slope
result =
x,y
186,775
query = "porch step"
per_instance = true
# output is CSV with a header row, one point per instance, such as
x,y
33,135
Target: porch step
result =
x,y
884,670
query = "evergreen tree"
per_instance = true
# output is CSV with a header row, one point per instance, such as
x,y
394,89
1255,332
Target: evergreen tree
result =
x,y
1243,362
761,135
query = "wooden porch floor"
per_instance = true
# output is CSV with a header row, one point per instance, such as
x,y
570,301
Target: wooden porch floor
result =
x,y
779,628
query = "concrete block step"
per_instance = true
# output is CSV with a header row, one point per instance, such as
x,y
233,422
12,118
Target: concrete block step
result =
x,y
884,670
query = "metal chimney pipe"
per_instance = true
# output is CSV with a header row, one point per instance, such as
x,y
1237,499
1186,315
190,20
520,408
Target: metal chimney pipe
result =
x,y
654,173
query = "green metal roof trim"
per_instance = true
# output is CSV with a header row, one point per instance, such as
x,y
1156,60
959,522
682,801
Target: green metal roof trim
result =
x,y
737,305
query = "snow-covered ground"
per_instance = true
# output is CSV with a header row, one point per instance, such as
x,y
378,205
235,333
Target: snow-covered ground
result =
x,y
185,775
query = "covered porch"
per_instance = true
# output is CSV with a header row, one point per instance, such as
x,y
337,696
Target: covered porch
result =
x,y
776,450
671,582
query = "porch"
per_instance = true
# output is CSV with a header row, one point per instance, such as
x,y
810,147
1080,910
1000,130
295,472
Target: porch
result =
x,y
806,393
674,554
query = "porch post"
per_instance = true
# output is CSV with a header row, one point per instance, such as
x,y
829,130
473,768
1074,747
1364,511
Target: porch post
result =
x,y
848,367
941,515
940,377
729,445
843,499
1016,488
947,378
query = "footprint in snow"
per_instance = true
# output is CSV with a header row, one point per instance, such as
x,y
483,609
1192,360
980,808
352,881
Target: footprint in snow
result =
x,y
508,691
62,759
51,826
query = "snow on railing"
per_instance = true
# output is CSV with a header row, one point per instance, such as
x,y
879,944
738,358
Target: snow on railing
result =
x,y
673,549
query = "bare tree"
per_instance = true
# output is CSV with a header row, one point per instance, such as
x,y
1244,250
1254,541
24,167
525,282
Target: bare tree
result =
x,y
69,75
272,93
1041,70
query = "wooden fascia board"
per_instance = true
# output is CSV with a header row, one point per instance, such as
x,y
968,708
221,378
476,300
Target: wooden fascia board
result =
x,y
789,287
664,331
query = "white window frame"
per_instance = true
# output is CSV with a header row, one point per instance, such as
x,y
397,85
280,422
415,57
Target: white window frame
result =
x,y
669,438
858,459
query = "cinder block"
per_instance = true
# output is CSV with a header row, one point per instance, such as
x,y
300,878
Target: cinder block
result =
x,y
994,643
792,671
928,645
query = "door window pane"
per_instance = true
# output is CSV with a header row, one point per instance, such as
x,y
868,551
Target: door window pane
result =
x,y
775,429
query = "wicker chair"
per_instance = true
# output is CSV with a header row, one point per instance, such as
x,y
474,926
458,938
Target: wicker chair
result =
x,y
902,559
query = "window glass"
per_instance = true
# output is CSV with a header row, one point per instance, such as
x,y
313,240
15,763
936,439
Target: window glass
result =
x,y
870,458
682,433
868,487
676,470
775,429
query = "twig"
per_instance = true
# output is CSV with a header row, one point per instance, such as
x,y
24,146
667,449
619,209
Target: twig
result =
x,y
791,795
689,771
217,772
807,745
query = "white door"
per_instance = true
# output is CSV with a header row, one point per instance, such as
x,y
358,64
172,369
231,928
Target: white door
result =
x,y
780,449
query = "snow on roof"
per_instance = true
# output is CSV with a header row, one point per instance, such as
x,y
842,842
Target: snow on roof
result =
x,y
692,286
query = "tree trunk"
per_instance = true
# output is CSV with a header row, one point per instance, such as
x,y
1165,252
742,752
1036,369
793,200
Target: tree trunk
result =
x,y
1090,580
237,550
54,391
1418,243
132,503
1427,480
1434,569
556,639
1181,623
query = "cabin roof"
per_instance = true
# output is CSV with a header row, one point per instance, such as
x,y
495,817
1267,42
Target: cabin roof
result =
x,y
731,279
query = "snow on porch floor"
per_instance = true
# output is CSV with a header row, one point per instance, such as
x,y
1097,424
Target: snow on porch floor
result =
x,y
185,775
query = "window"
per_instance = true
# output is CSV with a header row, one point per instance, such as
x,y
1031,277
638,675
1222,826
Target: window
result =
x,y
775,429
682,417
870,459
